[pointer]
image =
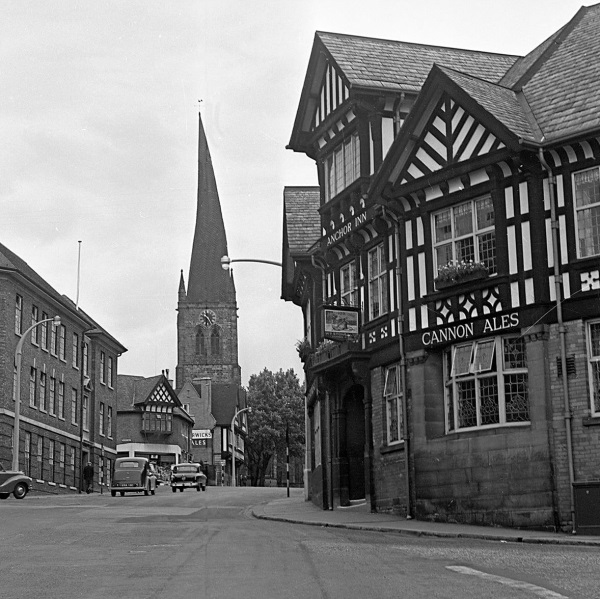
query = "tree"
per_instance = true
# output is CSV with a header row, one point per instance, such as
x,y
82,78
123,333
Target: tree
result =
x,y
277,402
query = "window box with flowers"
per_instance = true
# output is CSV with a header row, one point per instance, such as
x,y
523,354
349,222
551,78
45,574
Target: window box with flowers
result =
x,y
455,273
304,349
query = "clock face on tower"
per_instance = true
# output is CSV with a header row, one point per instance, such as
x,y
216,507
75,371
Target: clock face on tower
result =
x,y
208,318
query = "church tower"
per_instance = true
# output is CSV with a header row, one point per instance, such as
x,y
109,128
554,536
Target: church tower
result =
x,y
207,338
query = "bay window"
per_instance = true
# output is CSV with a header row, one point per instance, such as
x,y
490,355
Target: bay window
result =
x,y
392,393
348,285
593,343
342,166
377,272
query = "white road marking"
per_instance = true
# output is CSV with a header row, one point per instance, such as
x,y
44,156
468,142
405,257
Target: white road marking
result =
x,y
516,584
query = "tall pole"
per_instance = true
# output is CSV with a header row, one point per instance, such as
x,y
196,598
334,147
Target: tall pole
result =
x,y
18,358
287,456
233,443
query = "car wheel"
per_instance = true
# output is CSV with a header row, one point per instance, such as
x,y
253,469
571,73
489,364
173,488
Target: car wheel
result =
x,y
113,493
146,492
204,487
181,489
174,489
4,495
153,492
198,488
122,493
20,490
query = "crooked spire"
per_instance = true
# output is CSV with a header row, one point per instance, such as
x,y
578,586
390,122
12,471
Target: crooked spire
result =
x,y
208,282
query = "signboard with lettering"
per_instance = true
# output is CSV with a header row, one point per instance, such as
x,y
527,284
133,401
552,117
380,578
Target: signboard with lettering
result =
x,y
341,322
201,434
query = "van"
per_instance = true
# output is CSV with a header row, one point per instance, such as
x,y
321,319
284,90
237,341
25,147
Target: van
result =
x,y
133,475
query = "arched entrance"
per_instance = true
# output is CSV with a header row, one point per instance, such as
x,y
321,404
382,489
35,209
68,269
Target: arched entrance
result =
x,y
355,441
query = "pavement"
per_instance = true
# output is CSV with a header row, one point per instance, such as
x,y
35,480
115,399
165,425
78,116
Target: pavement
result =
x,y
297,510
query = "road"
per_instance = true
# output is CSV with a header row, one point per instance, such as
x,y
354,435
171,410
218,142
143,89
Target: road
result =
x,y
208,546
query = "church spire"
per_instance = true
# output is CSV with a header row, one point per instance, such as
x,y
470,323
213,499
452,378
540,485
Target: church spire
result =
x,y
208,282
182,294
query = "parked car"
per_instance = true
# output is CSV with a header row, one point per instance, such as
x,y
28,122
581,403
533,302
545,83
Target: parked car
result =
x,y
187,475
133,475
15,482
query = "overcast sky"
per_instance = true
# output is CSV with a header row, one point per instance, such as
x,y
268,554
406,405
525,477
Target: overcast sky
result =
x,y
99,128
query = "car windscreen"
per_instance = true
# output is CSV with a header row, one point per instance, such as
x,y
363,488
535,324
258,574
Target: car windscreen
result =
x,y
180,469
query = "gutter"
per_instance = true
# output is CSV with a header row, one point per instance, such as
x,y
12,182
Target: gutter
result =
x,y
568,418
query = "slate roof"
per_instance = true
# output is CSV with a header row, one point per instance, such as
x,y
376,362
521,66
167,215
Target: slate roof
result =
x,y
404,66
225,398
302,221
563,88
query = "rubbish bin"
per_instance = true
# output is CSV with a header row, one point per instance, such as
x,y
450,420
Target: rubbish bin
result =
x,y
587,507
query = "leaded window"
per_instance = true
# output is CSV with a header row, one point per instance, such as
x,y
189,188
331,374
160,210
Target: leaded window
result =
x,y
486,384
593,340
348,285
378,289
466,233
342,166
587,208
392,393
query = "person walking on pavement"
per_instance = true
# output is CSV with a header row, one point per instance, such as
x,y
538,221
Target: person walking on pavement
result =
x,y
88,477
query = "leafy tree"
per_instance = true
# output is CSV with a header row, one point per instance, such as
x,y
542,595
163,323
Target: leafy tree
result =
x,y
277,401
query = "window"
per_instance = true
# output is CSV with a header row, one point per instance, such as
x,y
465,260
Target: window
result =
x,y
157,419
200,343
109,374
378,300
109,414
18,315
52,397
84,412
62,343
466,233
61,400
62,456
27,453
53,341
102,368
342,166
74,406
40,449
348,286
593,341
43,391
51,448
586,186
392,393
101,419
215,342
86,358
75,350
72,459
44,332
32,387
486,384
34,320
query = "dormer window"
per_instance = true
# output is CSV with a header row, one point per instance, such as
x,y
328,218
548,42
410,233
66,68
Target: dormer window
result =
x,y
342,166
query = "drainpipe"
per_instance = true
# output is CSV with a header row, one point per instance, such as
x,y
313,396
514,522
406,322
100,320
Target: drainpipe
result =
x,y
561,332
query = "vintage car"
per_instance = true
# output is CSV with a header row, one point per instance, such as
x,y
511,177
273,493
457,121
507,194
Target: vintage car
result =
x,y
15,482
133,475
187,475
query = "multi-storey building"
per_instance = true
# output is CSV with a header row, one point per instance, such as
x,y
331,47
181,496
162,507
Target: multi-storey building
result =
x,y
67,379
458,278
208,376
152,421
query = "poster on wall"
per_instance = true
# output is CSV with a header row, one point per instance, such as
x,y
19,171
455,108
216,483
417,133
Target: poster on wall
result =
x,y
341,322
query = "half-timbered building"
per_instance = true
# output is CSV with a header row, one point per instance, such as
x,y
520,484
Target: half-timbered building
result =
x,y
459,204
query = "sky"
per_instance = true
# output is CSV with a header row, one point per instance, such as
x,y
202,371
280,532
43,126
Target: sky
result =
x,y
99,107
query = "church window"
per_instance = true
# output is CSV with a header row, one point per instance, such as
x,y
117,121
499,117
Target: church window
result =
x,y
200,347
215,342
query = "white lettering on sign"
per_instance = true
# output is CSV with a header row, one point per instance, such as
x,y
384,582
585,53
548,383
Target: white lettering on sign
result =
x,y
202,434
343,231
465,331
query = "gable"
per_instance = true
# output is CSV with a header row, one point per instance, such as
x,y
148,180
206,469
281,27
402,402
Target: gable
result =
x,y
333,93
162,395
451,135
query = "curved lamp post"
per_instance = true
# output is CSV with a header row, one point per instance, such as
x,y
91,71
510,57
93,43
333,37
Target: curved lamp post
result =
x,y
249,409
226,261
18,357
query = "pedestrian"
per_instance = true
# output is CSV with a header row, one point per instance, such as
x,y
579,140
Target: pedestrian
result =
x,y
88,477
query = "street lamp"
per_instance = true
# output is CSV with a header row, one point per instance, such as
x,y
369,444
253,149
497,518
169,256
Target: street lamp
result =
x,y
249,409
18,356
226,261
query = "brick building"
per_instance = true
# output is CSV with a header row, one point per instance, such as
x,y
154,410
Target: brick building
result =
x,y
208,376
451,304
68,382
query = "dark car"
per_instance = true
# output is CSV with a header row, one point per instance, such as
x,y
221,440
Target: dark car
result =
x,y
133,475
15,482
188,475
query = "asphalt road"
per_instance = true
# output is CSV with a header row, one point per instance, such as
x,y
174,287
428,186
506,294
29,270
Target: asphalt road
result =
x,y
208,545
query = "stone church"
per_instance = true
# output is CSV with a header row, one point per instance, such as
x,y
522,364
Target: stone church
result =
x,y
208,376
